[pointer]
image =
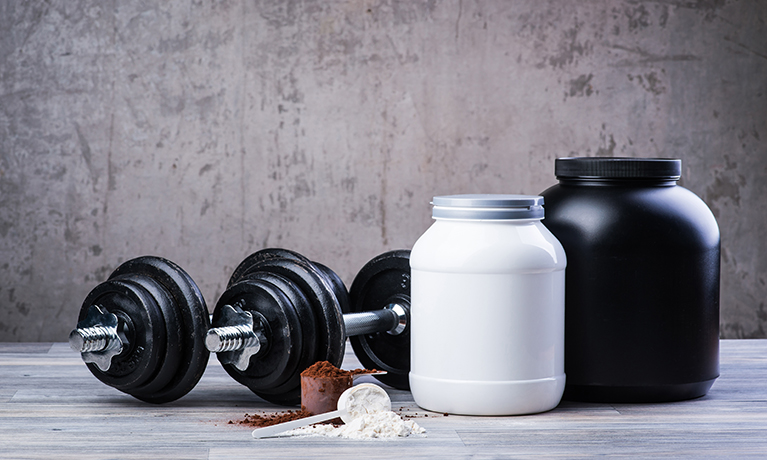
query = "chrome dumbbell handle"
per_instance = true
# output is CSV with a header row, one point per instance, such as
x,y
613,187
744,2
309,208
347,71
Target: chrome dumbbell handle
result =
x,y
237,336
96,338
391,319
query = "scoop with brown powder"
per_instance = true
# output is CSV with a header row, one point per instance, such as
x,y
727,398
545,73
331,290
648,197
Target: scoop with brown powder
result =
x,y
324,385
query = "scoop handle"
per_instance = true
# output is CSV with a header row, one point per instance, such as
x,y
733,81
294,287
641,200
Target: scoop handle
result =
x,y
267,431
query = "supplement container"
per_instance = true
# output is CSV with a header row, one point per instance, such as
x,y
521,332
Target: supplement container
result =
x,y
487,311
642,299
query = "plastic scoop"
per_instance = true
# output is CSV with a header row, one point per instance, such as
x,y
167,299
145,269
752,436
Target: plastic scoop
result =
x,y
365,398
356,376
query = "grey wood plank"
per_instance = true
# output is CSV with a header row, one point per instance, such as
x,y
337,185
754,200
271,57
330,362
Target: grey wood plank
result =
x,y
25,347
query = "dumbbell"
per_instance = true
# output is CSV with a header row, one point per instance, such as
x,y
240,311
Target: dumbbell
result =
x,y
281,313
142,330
146,330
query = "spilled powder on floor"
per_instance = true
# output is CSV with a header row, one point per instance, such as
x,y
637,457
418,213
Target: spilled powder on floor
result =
x,y
258,421
385,424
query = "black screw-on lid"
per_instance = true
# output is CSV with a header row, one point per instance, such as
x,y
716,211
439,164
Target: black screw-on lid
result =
x,y
619,168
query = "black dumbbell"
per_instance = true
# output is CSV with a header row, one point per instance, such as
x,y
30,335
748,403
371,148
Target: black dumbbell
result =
x,y
144,330
141,330
282,312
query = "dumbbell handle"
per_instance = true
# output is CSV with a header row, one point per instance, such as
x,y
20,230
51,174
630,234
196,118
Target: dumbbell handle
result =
x,y
240,336
391,319
96,338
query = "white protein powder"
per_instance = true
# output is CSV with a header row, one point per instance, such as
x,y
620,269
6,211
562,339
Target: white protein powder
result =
x,y
383,424
364,399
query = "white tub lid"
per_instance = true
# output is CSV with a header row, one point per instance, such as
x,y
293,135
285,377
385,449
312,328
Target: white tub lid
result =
x,y
488,207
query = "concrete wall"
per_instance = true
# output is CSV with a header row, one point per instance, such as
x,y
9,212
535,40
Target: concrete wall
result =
x,y
202,131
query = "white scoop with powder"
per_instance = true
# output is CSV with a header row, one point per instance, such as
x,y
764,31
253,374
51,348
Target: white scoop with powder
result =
x,y
355,402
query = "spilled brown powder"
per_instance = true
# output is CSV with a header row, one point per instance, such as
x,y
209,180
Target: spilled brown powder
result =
x,y
270,419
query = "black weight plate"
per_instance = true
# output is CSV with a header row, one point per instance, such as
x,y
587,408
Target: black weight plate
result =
x,y
137,309
331,279
307,322
330,335
337,285
169,361
381,281
272,370
193,321
251,262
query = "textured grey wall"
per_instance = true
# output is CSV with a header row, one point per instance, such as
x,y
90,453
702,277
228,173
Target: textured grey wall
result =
x,y
202,131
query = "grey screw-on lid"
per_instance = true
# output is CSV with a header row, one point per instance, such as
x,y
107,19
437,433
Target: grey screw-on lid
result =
x,y
488,207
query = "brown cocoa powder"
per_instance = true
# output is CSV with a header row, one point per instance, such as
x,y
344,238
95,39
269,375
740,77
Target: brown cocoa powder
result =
x,y
256,420
324,369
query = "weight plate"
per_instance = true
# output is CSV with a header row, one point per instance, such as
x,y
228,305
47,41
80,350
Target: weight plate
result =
x,y
274,370
331,279
191,320
252,262
140,320
336,284
382,281
313,283
168,362
291,389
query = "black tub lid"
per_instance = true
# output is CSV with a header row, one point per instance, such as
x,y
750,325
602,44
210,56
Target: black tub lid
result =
x,y
618,167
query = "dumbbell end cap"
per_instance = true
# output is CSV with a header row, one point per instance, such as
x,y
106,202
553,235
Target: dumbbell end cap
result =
x,y
213,341
76,341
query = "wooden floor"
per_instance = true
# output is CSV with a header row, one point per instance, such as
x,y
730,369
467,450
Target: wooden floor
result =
x,y
51,407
